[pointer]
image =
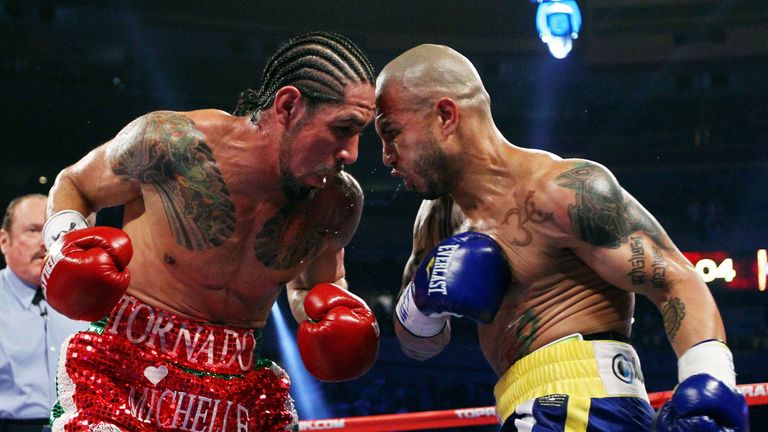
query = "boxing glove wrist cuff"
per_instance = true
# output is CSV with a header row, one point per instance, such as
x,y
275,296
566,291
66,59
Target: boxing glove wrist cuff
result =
x,y
414,320
60,223
710,357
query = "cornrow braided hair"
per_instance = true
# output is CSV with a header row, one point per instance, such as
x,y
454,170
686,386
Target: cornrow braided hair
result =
x,y
320,64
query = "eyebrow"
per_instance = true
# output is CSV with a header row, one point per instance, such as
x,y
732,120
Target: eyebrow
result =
x,y
354,119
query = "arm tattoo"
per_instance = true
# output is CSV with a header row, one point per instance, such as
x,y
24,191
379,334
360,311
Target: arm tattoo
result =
x,y
659,266
673,313
602,215
171,155
637,260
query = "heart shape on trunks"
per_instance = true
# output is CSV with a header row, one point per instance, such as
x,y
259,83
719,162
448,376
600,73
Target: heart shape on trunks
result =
x,y
155,374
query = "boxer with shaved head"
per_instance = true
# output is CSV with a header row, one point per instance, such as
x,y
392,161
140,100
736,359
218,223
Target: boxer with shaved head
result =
x,y
546,254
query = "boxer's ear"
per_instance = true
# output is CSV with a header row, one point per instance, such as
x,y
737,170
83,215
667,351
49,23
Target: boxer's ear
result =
x,y
286,100
448,113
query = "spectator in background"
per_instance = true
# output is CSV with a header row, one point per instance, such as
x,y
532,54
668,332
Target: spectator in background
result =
x,y
31,332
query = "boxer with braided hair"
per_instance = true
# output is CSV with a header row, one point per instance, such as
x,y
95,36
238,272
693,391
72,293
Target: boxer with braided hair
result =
x,y
221,212
319,64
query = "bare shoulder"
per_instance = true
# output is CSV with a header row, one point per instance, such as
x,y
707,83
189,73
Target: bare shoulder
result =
x,y
167,152
158,134
566,187
561,178
585,178
206,117
338,206
599,211
345,187
438,219
151,128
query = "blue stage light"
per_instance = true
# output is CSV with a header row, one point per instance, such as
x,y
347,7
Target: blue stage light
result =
x,y
558,23
306,390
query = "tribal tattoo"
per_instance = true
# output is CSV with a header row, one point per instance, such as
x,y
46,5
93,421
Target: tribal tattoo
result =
x,y
673,313
602,215
169,153
529,213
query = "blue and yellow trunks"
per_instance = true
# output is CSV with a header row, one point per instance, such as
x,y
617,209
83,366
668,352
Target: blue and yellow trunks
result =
x,y
575,385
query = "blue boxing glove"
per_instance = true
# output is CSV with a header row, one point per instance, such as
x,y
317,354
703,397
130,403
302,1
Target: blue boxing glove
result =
x,y
703,403
465,275
708,399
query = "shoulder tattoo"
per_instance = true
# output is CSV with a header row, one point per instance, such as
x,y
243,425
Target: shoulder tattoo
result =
x,y
602,215
170,154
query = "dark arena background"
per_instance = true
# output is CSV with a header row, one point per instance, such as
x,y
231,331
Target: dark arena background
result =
x,y
671,95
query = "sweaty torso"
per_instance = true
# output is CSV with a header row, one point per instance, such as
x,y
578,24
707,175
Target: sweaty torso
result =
x,y
207,245
553,293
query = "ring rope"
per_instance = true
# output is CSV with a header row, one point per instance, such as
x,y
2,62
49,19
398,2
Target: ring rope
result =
x,y
756,394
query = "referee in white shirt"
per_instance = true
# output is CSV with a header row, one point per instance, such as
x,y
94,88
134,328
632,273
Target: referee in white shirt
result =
x,y
31,332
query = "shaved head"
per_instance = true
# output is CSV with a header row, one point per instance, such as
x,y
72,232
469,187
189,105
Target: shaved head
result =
x,y
429,72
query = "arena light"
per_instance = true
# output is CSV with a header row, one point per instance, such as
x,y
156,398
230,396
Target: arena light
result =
x,y
558,23
309,398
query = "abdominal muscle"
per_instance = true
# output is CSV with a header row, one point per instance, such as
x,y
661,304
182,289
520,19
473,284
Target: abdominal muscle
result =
x,y
224,285
533,316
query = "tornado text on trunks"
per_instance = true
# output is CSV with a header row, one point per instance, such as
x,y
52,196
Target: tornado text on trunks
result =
x,y
199,345
167,152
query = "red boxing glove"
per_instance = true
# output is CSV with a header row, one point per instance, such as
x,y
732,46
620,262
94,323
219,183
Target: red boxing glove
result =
x,y
340,341
85,274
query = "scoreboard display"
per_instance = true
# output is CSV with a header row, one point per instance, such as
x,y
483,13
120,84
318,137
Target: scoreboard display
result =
x,y
731,271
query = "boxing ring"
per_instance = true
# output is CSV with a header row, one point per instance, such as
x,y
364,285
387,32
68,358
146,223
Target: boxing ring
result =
x,y
756,394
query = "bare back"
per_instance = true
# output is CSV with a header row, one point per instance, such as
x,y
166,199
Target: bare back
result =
x,y
209,242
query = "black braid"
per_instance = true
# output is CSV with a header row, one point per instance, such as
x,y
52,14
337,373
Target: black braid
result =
x,y
320,64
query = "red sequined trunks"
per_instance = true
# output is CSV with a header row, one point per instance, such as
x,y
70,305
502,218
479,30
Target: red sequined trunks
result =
x,y
145,369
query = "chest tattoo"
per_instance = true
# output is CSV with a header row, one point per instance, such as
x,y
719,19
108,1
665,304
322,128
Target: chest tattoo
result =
x,y
173,157
288,238
529,214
